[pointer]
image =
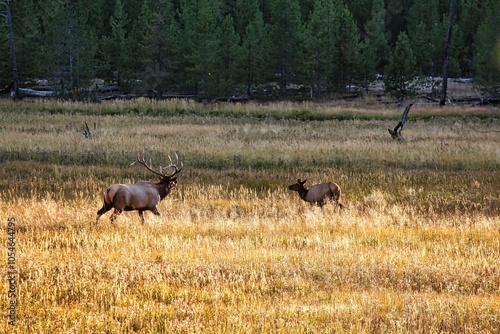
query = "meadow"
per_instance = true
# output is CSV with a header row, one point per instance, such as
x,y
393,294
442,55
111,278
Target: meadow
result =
x,y
416,248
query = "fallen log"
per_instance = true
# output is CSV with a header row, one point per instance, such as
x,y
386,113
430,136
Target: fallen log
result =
x,y
117,97
429,98
35,93
472,100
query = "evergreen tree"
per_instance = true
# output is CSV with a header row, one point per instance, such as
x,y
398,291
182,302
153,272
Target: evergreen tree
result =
x,y
374,48
265,7
244,13
132,9
253,64
72,47
227,53
396,19
114,46
306,8
360,10
347,49
427,32
5,62
487,52
332,47
320,44
400,69
200,21
470,15
447,53
12,50
218,46
154,46
27,39
286,34
468,20
458,53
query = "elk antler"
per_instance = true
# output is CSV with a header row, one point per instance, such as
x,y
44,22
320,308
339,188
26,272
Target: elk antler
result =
x,y
174,166
141,161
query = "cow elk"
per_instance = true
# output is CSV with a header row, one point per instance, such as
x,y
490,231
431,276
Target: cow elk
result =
x,y
318,194
143,195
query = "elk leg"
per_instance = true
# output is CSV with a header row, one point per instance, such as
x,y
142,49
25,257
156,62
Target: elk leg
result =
x,y
141,214
102,211
156,212
337,199
114,215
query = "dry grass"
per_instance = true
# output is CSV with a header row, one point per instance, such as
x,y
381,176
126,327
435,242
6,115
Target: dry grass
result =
x,y
415,251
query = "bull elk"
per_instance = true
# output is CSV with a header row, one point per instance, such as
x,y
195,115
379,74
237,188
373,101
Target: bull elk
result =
x,y
318,194
143,195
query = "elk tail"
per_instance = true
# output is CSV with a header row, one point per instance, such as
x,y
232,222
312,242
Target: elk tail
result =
x,y
107,203
109,199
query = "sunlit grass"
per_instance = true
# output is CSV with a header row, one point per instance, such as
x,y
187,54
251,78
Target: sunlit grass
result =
x,y
238,260
415,250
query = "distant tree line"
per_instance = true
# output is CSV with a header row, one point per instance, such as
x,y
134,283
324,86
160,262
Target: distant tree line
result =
x,y
254,47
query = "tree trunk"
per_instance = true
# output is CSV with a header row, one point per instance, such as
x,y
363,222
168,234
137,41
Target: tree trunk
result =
x,y
447,53
7,16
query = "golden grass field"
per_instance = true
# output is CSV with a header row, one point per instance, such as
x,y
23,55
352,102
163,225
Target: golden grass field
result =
x,y
416,248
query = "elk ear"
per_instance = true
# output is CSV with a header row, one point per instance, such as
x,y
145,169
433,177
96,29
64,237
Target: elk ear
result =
x,y
298,181
302,183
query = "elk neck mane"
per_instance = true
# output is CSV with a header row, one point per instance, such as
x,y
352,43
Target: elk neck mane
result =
x,y
303,193
162,186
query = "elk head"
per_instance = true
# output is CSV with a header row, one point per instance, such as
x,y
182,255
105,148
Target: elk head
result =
x,y
299,187
143,195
